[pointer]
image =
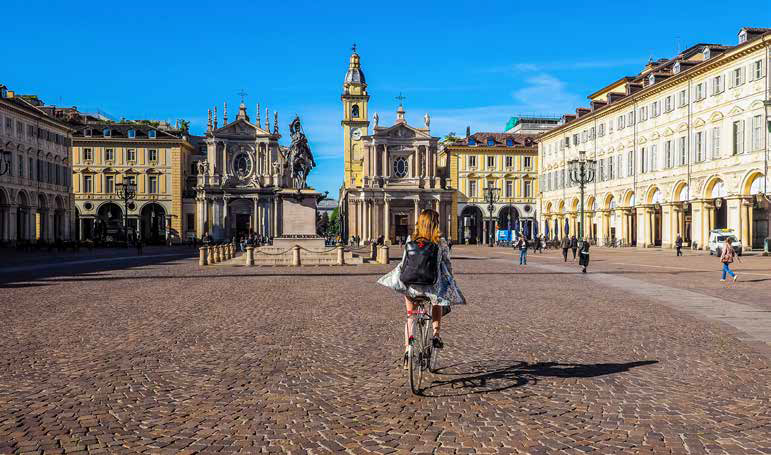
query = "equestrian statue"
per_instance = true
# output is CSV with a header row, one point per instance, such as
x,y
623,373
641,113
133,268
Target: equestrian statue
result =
x,y
300,157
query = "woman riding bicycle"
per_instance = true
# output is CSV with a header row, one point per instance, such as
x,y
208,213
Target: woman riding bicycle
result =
x,y
443,293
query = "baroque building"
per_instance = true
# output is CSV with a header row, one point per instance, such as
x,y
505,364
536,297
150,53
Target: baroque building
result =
x,y
391,174
506,161
150,156
240,182
36,201
682,147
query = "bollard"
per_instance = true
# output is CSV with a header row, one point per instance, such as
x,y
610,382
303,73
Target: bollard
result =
x,y
202,256
212,259
232,250
218,253
340,255
383,255
296,256
373,251
249,255
228,252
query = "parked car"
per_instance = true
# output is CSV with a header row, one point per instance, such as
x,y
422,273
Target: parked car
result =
x,y
716,239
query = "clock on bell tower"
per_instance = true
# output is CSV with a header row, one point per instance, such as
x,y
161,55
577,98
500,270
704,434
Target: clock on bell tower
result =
x,y
355,120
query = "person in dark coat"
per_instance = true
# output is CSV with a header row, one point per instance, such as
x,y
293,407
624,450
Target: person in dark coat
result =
x,y
565,244
679,244
574,246
583,261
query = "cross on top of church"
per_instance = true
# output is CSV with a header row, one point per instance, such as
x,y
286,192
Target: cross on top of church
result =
x,y
243,95
400,98
354,48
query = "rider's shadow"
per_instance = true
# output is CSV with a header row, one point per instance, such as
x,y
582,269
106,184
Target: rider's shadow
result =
x,y
499,375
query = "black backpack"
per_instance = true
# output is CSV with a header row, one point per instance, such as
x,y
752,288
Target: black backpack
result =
x,y
421,262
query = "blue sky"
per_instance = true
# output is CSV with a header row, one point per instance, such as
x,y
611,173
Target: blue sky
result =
x,y
467,63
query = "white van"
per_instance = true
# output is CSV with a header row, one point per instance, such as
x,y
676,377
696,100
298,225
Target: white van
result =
x,y
718,236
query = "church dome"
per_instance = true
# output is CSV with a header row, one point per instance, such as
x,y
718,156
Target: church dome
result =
x,y
355,75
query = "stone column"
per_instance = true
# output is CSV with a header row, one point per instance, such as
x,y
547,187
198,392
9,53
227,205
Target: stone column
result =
x,y
386,164
387,219
275,215
744,224
416,206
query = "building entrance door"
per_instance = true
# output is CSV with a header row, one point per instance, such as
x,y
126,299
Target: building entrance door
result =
x,y
401,230
759,227
242,224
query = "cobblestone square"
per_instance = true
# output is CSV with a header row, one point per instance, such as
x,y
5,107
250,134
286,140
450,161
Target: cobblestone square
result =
x,y
163,356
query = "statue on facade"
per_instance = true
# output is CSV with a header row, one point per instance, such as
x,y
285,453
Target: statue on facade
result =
x,y
377,119
427,120
300,157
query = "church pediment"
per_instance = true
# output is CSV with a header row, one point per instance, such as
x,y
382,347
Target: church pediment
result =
x,y
240,128
402,131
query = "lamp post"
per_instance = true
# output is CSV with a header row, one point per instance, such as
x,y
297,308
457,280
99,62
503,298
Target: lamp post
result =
x,y
5,163
126,191
492,195
581,172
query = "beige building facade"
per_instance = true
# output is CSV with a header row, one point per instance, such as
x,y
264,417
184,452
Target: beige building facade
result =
x,y
36,203
681,148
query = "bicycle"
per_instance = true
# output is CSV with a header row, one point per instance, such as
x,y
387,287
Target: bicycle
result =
x,y
421,354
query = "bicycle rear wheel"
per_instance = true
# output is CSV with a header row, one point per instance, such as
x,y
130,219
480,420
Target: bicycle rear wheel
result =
x,y
416,354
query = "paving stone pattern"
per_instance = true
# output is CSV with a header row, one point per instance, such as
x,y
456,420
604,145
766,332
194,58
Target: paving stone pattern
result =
x,y
173,358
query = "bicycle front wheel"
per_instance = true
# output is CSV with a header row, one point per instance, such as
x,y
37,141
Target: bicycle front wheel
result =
x,y
416,353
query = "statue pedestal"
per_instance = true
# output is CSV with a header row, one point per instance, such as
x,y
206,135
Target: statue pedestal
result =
x,y
298,220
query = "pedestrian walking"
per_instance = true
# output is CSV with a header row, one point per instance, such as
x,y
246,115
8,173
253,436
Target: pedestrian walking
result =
x,y
428,249
522,245
139,245
679,244
574,246
727,258
565,244
583,260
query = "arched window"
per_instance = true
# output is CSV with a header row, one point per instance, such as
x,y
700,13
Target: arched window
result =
x,y
355,111
471,141
509,142
490,141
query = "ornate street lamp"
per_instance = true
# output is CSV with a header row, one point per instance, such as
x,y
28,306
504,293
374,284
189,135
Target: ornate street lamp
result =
x,y
581,172
492,195
126,191
5,162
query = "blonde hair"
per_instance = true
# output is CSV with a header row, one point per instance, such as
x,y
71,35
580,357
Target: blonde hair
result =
x,y
427,226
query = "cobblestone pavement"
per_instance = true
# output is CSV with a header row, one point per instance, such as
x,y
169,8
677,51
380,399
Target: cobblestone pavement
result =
x,y
173,358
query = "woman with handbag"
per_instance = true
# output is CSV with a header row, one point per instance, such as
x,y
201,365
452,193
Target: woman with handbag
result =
x,y
727,258
425,260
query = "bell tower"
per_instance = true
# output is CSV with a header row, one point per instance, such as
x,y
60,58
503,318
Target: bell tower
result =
x,y
355,120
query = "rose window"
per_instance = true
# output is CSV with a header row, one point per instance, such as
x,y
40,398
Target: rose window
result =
x,y
243,165
400,167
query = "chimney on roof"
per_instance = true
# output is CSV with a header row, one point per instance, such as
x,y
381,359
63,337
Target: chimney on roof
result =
x,y
581,111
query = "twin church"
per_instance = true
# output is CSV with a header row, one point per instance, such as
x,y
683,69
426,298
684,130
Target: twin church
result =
x,y
391,172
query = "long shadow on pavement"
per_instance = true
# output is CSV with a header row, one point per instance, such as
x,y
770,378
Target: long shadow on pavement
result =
x,y
498,375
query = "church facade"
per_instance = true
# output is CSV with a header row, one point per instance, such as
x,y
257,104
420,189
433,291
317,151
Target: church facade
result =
x,y
390,174
239,183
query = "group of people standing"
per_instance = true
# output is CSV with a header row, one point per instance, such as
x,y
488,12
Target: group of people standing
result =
x,y
579,248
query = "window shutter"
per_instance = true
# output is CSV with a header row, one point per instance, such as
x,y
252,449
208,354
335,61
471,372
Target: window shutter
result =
x,y
731,79
742,74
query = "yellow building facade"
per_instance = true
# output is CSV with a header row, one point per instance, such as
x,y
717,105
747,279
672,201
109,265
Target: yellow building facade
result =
x,y
156,161
681,149
507,162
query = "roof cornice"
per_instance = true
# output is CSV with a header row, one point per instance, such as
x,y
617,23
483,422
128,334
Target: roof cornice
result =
x,y
708,65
